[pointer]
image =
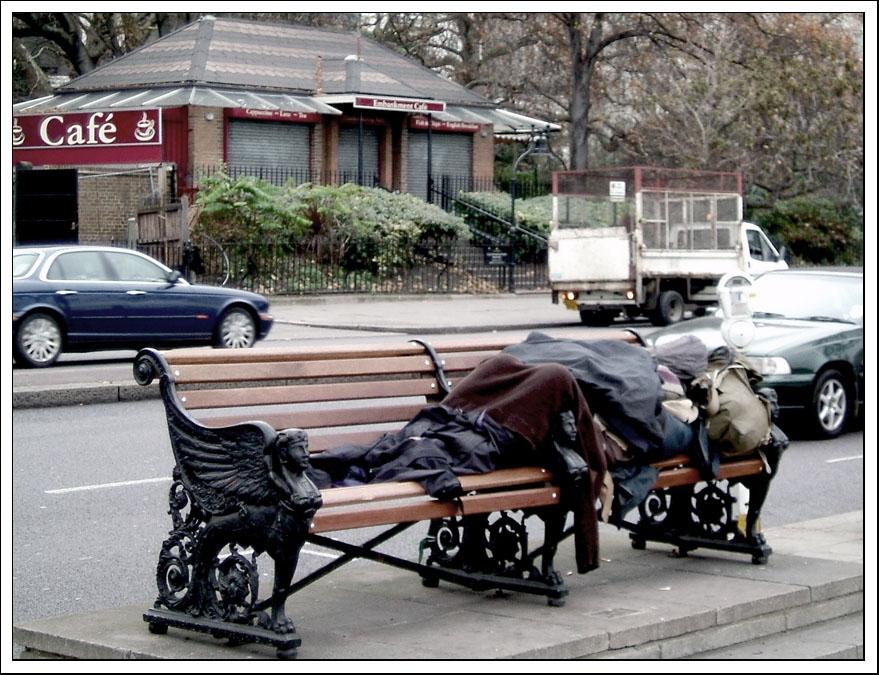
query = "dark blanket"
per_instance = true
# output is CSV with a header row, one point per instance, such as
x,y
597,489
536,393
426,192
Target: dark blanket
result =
x,y
437,445
528,399
504,413
619,380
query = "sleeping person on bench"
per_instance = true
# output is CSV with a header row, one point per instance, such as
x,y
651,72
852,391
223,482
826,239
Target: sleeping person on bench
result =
x,y
527,406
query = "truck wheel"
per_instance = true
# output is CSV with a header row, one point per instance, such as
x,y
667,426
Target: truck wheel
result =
x,y
669,309
593,317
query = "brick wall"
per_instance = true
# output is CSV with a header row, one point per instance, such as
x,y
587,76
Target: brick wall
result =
x,y
483,152
107,201
206,136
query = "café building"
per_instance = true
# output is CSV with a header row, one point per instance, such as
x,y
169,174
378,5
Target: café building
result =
x,y
271,100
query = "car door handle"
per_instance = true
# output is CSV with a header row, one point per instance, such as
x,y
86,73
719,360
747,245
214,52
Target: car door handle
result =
x,y
135,292
66,292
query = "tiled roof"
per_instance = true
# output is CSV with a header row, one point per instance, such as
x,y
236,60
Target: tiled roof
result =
x,y
236,53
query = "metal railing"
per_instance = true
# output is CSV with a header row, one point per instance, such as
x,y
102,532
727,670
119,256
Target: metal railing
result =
x,y
276,269
476,264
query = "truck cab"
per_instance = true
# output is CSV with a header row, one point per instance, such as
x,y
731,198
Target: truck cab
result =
x,y
761,255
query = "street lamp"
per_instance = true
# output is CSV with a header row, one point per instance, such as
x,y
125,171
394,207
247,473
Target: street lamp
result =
x,y
538,144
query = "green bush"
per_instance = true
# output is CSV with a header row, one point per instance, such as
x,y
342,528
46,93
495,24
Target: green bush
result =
x,y
246,209
817,230
349,226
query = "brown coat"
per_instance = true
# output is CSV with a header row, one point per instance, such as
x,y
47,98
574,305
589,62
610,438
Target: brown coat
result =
x,y
528,399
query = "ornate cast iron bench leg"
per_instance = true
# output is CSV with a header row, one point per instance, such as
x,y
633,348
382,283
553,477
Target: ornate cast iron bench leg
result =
x,y
483,554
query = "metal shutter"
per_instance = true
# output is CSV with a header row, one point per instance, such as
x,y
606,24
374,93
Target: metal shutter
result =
x,y
452,156
348,153
273,151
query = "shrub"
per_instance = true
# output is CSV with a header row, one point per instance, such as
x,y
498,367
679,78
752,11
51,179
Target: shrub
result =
x,y
349,226
817,230
246,209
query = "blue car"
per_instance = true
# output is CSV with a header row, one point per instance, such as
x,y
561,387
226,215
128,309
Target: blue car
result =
x,y
808,344
84,298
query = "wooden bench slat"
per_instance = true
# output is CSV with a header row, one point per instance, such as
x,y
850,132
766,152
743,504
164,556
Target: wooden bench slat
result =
x,y
320,442
689,475
510,499
742,467
316,419
196,399
201,355
185,373
501,478
369,515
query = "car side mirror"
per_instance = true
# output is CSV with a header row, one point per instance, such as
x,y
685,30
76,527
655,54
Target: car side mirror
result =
x,y
784,254
173,277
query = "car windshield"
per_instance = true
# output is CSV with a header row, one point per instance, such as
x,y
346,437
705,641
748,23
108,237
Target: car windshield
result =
x,y
816,297
22,263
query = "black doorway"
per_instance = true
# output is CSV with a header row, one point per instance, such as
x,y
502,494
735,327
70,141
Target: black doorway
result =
x,y
46,206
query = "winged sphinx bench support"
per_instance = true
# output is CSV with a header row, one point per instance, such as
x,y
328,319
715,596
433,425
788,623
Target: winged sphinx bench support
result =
x,y
234,488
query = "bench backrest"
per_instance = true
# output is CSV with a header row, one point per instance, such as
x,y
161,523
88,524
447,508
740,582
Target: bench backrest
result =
x,y
353,394
339,394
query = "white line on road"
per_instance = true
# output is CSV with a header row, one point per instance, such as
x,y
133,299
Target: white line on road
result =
x,y
320,554
844,459
124,483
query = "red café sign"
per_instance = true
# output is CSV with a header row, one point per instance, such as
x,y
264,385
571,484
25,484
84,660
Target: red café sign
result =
x,y
274,114
402,104
98,136
437,125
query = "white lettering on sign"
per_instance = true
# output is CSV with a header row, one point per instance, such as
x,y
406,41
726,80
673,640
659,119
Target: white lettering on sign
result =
x,y
410,105
87,130
94,132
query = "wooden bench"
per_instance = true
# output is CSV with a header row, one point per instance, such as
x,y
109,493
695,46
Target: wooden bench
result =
x,y
240,482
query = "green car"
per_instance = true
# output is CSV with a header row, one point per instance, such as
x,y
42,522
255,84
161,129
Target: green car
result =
x,y
808,343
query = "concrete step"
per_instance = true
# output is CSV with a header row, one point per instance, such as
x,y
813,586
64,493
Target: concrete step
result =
x,y
639,604
829,629
840,638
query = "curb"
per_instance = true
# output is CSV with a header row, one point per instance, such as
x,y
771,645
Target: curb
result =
x,y
423,330
59,395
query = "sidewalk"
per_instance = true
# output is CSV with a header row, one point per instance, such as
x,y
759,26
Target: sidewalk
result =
x,y
420,314
806,603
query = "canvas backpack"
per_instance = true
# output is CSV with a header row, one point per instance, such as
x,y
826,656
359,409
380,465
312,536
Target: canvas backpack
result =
x,y
738,419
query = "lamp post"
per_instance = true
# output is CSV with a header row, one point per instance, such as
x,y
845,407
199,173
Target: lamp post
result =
x,y
538,144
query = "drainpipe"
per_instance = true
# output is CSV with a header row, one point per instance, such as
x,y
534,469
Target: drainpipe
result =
x,y
353,68
429,158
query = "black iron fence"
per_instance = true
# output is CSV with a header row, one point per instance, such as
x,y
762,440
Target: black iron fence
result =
x,y
283,174
482,263
275,269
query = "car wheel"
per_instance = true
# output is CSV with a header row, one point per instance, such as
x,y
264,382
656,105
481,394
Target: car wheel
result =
x,y
831,404
669,309
236,329
38,341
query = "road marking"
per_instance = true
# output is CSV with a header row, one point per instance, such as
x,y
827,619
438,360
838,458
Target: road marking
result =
x,y
124,483
844,459
321,554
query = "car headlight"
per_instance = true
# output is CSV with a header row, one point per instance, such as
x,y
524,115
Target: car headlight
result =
x,y
770,365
